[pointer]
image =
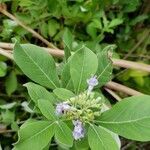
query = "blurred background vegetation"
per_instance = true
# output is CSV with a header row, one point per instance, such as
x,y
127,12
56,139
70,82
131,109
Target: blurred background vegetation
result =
x,y
96,23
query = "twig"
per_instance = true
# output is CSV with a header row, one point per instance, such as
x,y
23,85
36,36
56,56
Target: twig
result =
x,y
113,94
116,62
35,34
146,33
6,131
136,55
12,96
127,145
121,88
6,53
4,45
131,65
55,52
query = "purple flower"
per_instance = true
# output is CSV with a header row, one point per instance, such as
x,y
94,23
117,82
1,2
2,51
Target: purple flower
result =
x,y
61,108
78,131
91,83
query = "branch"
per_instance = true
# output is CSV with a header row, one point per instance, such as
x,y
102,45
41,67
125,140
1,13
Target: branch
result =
x,y
121,88
6,131
116,62
6,53
131,65
54,52
113,94
35,34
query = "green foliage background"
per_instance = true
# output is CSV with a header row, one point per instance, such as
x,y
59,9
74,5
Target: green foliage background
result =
x,y
96,23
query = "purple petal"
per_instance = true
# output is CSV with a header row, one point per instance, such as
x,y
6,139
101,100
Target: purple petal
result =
x,y
78,131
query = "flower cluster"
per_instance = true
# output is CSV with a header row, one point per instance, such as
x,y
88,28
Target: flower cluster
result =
x,y
81,109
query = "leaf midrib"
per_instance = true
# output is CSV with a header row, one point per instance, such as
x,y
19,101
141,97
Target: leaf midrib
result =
x,y
81,72
98,136
37,133
40,68
104,70
123,122
63,133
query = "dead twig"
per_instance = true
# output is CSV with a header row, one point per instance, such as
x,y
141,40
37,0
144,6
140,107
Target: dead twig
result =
x,y
131,65
121,88
6,131
113,94
6,53
116,62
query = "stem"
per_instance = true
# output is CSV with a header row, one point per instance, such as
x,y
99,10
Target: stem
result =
x,y
55,52
121,88
6,131
113,94
6,53
60,54
131,65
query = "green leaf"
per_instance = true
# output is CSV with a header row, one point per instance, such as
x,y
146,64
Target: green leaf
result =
x,y
100,139
91,30
26,107
35,135
66,77
81,144
92,27
63,135
38,92
67,40
44,29
138,19
83,65
53,26
115,22
47,109
11,83
3,69
8,105
14,126
104,66
129,118
8,116
37,64
63,94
